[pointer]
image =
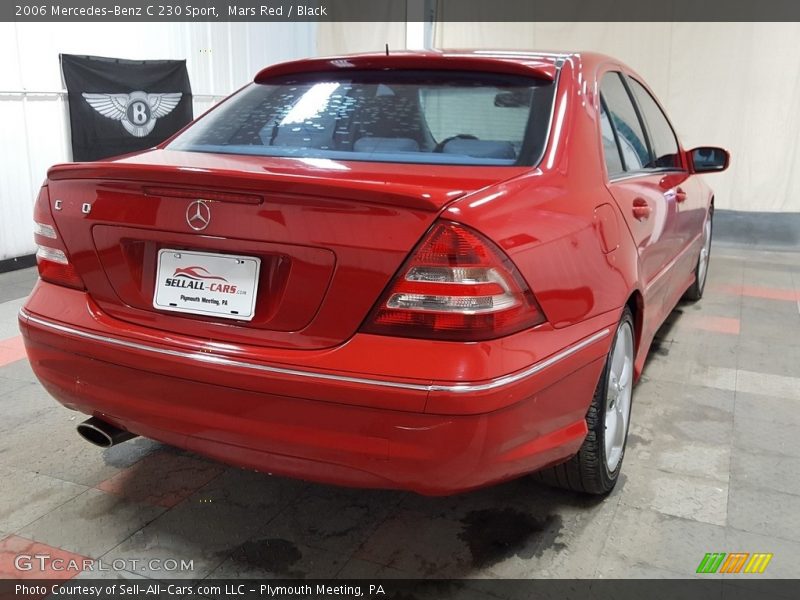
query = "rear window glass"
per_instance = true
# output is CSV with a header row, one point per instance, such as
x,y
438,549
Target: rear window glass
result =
x,y
410,117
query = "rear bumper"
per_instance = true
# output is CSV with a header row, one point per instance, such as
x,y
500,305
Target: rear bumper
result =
x,y
360,429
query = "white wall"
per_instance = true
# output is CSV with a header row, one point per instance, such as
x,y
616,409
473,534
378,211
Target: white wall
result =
x,y
344,37
731,84
34,122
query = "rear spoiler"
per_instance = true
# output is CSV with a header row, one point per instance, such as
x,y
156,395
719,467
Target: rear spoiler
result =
x,y
418,61
253,185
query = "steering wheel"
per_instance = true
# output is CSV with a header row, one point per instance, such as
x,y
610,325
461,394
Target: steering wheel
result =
x,y
461,136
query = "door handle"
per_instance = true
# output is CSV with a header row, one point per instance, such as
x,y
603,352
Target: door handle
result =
x,y
680,195
641,209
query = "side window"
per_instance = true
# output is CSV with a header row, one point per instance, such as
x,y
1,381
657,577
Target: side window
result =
x,y
611,151
662,137
632,140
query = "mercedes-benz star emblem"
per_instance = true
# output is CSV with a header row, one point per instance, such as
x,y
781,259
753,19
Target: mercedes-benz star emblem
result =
x,y
198,215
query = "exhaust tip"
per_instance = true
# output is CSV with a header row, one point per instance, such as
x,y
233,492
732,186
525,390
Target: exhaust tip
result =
x,y
94,435
102,434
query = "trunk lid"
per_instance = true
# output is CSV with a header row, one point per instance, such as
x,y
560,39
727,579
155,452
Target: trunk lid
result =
x,y
329,235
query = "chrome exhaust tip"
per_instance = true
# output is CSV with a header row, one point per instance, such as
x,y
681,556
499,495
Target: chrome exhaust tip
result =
x,y
100,433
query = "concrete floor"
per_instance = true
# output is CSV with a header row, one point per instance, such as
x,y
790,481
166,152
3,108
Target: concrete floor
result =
x,y
712,466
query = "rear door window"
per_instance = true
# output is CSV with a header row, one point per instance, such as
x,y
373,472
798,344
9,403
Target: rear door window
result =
x,y
662,136
625,119
611,150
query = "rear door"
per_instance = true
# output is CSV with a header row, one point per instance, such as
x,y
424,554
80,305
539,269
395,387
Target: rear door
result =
x,y
642,188
685,191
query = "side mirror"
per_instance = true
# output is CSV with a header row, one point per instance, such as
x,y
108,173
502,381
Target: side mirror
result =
x,y
709,159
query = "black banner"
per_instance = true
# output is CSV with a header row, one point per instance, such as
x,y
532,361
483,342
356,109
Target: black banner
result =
x,y
118,106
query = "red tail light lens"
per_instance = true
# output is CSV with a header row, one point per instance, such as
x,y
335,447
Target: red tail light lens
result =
x,y
52,259
456,285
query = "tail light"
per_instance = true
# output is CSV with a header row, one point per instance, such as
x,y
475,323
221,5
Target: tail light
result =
x,y
52,259
456,285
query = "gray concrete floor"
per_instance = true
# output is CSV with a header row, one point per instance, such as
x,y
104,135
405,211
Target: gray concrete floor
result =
x,y
712,466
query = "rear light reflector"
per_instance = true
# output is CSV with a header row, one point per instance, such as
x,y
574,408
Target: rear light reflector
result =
x,y
60,274
52,259
51,254
456,285
44,230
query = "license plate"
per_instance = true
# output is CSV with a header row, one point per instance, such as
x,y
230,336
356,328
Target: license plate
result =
x,y
201,283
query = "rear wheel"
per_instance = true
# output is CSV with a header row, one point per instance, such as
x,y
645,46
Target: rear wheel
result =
x,y
695,292
596,466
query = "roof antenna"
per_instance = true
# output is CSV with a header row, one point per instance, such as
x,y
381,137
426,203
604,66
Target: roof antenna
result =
x,y
387,49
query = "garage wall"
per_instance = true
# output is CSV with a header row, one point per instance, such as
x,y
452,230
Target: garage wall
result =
x,y
731,84
221,57
336,38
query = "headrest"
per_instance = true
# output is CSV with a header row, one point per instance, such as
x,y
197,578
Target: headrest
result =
x,y
480,148
385,144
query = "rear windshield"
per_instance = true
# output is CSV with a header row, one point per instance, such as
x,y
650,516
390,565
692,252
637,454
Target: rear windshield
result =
x,y
430,117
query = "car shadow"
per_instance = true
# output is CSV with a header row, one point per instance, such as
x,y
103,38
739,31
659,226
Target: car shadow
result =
x,y
499,531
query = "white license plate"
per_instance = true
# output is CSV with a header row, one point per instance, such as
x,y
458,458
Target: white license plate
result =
x,y
200,283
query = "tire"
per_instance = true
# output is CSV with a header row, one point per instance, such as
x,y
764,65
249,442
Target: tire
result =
x,y
695,292
596,467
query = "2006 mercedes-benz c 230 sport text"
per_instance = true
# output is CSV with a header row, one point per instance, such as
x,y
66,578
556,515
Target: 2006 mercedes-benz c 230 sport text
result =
x,y
427,271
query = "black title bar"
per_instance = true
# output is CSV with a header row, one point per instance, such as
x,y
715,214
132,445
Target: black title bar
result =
x,y
742,588
399,10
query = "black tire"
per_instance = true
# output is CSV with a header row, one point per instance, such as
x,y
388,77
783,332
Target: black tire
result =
x,y
587,472
695,291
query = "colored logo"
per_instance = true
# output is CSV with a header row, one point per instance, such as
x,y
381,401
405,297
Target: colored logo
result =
x,y
196,273
198,278
198,215
137,111
735,562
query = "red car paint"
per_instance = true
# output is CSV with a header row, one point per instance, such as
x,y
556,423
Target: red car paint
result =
x,y
302,390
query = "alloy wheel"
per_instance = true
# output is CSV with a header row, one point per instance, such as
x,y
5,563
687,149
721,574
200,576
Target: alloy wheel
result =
x,y
618,396
702,265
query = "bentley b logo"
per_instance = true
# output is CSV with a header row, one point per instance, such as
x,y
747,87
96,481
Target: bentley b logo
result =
x,y
198,215
137,111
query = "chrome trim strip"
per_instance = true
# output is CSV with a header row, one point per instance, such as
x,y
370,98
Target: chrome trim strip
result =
x,y
644,173
229,362
532,370
628,176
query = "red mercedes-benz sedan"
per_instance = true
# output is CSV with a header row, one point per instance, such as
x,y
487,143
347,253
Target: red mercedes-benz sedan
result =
x,y
426,271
